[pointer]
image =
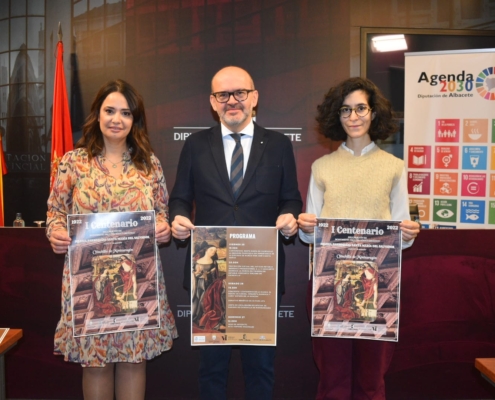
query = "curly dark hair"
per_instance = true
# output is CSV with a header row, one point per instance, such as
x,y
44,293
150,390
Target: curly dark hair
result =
x,y
137,139
328,118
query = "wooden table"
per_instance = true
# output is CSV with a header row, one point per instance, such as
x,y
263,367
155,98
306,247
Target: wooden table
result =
x,y
9,341
487,368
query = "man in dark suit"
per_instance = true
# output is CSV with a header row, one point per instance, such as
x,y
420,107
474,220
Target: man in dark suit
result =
x,y
247,179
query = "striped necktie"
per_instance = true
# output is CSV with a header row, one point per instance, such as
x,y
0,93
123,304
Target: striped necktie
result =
x,y
237,164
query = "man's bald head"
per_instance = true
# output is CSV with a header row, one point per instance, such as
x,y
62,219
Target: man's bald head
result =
x,y
232,72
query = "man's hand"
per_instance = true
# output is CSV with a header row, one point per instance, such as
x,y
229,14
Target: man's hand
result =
x,y
182,227
410,229
307,222
287,224
60,241
162,232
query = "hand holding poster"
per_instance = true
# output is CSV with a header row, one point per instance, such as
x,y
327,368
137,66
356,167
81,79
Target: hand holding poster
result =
x,y
234,286
112,260
356,277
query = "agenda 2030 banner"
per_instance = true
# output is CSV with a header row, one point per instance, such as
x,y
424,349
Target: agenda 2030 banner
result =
x,y
449,137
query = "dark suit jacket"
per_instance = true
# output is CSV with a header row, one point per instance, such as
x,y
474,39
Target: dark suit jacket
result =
x,y
269,187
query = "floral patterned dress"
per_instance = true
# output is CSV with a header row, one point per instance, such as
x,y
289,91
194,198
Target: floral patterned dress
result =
x,y
84,186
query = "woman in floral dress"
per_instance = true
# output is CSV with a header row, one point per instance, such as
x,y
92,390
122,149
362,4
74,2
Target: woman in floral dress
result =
x,y
112,169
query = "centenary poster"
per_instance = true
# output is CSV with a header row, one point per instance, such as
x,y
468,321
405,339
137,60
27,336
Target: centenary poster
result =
x,y
449,137
234,286
113,272
356,279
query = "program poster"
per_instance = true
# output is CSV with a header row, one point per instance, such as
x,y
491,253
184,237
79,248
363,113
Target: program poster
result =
x,y
234,286
356,279
113,272
449,137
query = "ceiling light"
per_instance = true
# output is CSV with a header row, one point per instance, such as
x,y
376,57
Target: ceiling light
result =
x,y
389,43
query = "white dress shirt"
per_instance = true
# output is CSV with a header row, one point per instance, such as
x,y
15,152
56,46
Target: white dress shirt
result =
x,y
229,144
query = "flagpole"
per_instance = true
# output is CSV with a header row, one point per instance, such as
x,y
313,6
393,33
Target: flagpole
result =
x,y
61,127
3,171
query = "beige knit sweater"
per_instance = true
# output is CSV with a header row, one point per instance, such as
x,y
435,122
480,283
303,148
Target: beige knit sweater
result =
x,y
357,187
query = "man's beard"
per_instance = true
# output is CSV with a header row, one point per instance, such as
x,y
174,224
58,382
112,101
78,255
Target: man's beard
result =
x,y
236,120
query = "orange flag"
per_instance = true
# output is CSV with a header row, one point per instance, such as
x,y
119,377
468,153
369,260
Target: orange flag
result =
x,y
3,171
61,127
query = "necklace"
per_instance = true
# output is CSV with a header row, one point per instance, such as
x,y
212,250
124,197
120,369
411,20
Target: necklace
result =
x,y
114,164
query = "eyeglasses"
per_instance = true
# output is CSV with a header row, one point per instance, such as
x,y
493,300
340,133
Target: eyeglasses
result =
x,y
361,111
239,95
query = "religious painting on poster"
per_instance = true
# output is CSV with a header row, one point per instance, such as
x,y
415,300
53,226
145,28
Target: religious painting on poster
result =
x,y
113,272
234,286
356,279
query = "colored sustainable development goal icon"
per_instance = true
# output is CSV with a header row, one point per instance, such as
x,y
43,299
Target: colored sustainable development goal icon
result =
x,y
485,83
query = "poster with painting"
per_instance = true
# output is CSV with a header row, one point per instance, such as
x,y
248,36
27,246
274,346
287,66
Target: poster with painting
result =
x,y
234,286
112,260
356,279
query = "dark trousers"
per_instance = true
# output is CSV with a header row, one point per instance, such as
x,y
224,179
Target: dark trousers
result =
x,y
257,367
350,369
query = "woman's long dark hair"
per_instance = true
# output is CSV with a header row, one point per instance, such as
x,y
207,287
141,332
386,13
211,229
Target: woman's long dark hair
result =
x,y
137,139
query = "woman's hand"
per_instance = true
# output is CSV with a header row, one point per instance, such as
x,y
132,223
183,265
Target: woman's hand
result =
x,y
60,241
410,229
162,232
307,222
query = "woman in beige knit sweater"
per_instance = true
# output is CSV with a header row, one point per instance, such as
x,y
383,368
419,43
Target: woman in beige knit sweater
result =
x,y
358,181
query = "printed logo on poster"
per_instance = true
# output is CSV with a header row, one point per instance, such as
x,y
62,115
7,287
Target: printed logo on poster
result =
x,y
473,211
491,212
418,182
423,207
492,164
461,84
485,83
444,210
446,157
474,157
475,130
454,85
419,157
492,186
347,326
447,130
445,184
440,226
473,185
